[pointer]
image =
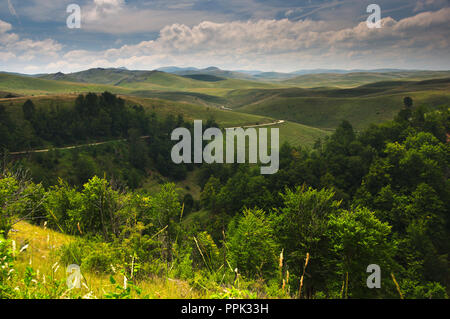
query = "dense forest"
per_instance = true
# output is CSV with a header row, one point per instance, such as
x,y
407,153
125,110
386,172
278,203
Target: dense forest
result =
x,y
93,118
378,196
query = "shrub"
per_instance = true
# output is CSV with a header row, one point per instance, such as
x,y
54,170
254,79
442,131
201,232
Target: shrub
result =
x,y
6,267
73,252
429,290
252,247
99,260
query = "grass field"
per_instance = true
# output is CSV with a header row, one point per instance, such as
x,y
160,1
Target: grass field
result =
x,y
360,78
329,112
32,86
146,84
326,108
192,112
42,255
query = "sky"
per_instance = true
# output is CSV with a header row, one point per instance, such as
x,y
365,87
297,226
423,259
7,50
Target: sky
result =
x,y
265,35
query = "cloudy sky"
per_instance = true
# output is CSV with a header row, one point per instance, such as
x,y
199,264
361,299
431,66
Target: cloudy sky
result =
x,y
268,35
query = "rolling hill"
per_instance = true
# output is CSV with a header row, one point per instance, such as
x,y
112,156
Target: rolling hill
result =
x,y
203,96
326,108
199,82
25,85
294,133
346,80
209,71
201,89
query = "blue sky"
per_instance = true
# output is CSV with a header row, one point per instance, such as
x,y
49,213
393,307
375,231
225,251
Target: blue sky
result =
x,y
267,35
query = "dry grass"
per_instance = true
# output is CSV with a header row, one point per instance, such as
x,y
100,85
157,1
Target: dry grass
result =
x,y
41,255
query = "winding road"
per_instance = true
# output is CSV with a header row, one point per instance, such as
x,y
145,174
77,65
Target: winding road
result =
x,y
45,150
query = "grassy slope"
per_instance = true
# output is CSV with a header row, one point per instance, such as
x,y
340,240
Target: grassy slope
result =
x,y
326,108
33,86
328,113
292,132
160,107
97,75
299,135
155,80
199,112
360,78
256,102
41,254
173,83
146,84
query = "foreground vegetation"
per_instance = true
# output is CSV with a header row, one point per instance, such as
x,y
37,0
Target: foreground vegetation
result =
x,y
380,196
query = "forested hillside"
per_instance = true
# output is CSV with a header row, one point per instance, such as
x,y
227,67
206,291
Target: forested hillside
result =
x,y
376,196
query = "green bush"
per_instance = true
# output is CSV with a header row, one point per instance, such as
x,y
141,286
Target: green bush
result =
x,y
6,268
90,256
73,252
418,290
252,246
99,260
183,267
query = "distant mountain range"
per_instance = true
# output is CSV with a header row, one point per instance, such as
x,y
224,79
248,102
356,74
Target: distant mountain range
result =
x,y
117,75
189,77
207,71
261,75
111,76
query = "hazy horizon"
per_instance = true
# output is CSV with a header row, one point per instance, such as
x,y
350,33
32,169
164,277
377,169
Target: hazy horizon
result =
x,y
243,70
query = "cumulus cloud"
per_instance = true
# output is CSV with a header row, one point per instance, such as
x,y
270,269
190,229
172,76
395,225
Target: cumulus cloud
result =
x,y
301,40
4,27
429,4
421,40
103,8
118,17
15,49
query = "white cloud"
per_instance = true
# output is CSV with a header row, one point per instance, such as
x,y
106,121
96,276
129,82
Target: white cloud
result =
x,y
118,17
265,39
284,45
4,27
100,9
14,49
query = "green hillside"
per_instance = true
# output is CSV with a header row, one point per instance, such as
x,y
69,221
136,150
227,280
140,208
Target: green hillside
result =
x,y
360,78
199,112
294,133
154,80
326,108
35,86
205,77
138,83
182,96
329,112
299,134
205,96
97,75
